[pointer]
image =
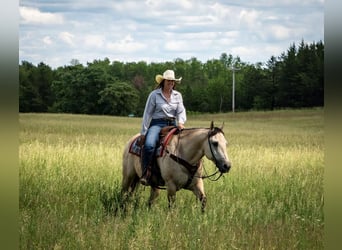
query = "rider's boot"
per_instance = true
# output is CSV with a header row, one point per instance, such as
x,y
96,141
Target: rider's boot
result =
x,y
145,168
146,174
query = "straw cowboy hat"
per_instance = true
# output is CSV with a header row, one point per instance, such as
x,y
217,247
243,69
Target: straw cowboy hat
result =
x,y
168,75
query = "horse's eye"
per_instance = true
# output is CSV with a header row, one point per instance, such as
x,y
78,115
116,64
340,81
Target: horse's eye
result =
x,y
215,143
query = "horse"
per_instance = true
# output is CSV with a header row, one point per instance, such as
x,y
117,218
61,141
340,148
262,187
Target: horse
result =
x,y
180,167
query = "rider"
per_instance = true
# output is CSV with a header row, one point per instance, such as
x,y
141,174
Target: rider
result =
x,y
164,107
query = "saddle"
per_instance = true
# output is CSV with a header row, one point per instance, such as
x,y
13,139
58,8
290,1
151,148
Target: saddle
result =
x,y
165,136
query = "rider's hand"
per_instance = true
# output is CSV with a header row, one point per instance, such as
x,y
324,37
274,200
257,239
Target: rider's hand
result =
x,y
180,126
141,140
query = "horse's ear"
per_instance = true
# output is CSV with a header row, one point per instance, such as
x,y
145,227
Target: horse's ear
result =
x,y
222,126
212,125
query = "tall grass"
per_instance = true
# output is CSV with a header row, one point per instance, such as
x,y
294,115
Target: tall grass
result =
x,y
70,177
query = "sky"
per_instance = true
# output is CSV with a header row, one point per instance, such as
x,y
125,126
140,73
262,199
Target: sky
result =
x,y
55,32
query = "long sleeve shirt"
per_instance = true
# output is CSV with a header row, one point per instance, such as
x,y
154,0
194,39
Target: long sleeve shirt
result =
x,y
158,107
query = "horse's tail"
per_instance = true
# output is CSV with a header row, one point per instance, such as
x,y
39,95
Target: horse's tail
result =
x,y
130,163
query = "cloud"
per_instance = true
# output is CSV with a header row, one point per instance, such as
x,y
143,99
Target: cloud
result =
x,y
96,41
47,40
125,45
159,30
280,32
35,16
67,38
250,18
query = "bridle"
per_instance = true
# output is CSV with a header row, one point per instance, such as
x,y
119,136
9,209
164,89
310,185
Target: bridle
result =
x,y
192,169
210,134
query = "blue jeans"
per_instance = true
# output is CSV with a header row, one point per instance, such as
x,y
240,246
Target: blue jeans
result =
x,y
151,140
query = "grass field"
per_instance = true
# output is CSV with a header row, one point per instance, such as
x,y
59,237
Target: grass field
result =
x,y
70,175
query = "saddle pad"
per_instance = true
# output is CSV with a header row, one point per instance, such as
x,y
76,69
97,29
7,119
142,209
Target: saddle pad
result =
x,y
135,148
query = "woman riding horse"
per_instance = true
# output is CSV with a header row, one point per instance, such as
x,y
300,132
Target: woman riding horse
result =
x,y
164,107
180,165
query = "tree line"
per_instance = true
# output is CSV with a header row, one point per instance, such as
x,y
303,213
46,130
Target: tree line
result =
x,y
295,79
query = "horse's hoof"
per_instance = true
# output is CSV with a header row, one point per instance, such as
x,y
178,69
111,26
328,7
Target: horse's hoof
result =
x,y
144,181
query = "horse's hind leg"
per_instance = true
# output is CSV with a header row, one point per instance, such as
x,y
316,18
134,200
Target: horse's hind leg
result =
x,y
129,183
130,178
129,175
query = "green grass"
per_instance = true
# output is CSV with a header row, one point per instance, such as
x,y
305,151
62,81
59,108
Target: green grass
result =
x,y
70,177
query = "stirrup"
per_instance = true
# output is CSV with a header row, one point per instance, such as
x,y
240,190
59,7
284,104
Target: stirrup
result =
x,y
144,181
146,177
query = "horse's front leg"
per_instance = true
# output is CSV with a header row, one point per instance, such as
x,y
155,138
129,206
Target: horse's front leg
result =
x,y
198,190
171,194
153,195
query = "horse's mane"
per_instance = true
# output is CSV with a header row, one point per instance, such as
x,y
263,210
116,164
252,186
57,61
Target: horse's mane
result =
x,y
215,130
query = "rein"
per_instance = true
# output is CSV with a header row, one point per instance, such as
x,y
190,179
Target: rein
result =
x,y
208,176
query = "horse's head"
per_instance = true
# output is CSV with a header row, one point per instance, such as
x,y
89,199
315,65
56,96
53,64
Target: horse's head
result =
x,y
216,150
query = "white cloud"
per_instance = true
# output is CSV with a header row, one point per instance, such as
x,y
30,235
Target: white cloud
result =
x,y
96,41
186,4
67,37
176,45
243,51
280,32
125,45
250,18
35,16
47,40
159,30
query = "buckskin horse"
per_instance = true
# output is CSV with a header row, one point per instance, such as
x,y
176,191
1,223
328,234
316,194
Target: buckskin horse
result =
x,y
180,165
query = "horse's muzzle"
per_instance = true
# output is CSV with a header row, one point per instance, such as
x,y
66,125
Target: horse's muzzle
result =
x,y
224,168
